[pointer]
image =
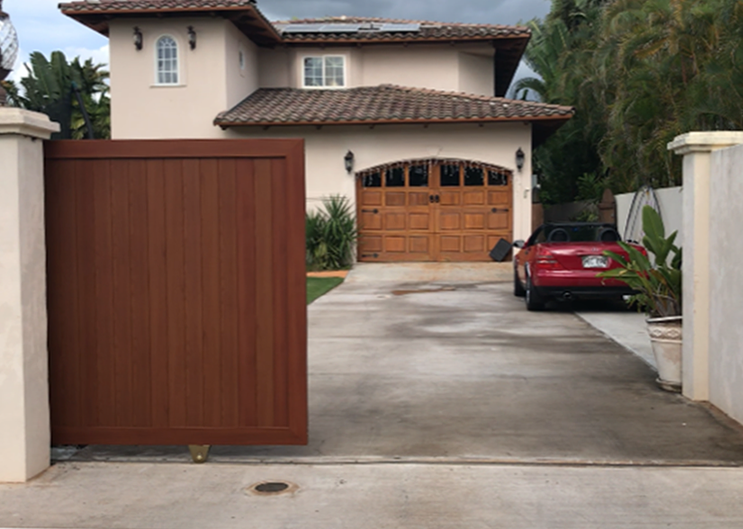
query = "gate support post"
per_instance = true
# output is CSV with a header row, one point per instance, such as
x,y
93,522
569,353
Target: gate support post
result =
x,y
24,386
696,147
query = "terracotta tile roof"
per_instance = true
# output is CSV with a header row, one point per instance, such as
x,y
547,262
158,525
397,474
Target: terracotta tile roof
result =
x,y
428,30
155,5
243,13
381,104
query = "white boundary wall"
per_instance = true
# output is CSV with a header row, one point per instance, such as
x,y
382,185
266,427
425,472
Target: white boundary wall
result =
x,y
726,287
671,204
703,267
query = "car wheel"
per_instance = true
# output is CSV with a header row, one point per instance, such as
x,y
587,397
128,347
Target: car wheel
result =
x,y
533,300
518,288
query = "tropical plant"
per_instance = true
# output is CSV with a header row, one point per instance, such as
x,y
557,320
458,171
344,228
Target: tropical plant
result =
x,y
331,235
657,281
638,73
49,87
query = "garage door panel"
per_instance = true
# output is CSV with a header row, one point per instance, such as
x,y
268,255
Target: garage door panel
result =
x,y
370,243
419,244
499,197
499,221
474,198
394,220
371,198
450,243
450,198
395,199
418,199
371,221
474,243
394,244
419,221
450,221
474,221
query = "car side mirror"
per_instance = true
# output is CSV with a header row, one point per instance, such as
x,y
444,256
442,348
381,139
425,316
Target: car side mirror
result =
x,y
519,244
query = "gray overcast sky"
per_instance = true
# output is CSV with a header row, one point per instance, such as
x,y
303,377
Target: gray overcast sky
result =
x,y
42,28
477,11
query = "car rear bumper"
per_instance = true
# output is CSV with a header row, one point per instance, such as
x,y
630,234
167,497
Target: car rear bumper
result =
x,y
567,292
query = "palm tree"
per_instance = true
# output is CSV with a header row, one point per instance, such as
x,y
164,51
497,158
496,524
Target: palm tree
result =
x,y
49,85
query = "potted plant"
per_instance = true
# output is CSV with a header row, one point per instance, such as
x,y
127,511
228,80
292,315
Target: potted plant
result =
x,y
657,281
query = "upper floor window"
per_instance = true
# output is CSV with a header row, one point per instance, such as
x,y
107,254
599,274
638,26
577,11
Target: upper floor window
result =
x,y
327,71
167,60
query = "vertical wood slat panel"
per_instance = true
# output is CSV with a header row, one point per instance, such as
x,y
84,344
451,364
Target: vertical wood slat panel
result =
x,y
229,290
193,300
59,305
85,185
210,258
122,304
139,356
158,293
297,284
176,279
180,294
264,273
282,305
248,281
104,285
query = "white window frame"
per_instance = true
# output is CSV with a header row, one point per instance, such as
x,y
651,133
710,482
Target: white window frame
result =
x,y
178,58
324,57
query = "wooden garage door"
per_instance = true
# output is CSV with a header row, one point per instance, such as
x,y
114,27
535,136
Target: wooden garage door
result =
x,y
433,210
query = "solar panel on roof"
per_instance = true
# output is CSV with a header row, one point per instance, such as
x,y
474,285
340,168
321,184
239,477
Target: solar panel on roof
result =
x,y
322,28
302,28
400,27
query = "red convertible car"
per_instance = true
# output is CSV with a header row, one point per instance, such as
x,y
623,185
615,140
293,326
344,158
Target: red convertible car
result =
x,y
561,260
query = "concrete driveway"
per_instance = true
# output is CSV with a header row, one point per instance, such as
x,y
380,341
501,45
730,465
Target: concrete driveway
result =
x,y
440,404
453,368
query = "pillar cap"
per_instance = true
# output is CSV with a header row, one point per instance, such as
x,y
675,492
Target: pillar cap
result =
x,y
705,141
26,123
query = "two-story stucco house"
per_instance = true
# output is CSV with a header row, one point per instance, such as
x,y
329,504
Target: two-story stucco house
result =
x,y
407,119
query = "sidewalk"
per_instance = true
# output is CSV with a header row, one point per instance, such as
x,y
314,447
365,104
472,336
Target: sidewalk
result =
x,y
628,329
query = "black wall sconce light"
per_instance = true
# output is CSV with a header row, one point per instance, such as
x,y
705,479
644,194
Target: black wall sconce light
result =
x,y
192,37
137,38
348,159
520,158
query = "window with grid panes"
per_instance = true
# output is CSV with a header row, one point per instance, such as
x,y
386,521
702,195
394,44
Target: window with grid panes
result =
x,y
167,61
325,72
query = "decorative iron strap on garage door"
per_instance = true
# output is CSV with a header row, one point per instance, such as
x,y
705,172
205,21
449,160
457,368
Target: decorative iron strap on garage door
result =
x,y
177,292
433,210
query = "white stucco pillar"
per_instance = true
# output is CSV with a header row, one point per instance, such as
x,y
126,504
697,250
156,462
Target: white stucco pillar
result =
x,y
24,386
696,148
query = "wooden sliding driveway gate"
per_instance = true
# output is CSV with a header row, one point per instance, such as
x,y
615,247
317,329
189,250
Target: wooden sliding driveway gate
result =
x,y
176,292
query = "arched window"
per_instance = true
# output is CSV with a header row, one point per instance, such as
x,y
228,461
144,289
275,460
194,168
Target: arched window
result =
x,y
167,60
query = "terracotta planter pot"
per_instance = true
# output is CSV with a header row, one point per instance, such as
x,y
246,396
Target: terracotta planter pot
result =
x,y
666,339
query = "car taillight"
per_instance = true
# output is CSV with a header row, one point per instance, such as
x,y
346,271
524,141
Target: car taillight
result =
x,y
545,259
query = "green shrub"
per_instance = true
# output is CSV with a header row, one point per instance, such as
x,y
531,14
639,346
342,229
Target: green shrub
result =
x,y
331,235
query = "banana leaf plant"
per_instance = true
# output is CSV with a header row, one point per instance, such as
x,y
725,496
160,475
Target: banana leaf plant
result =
x,y
656,281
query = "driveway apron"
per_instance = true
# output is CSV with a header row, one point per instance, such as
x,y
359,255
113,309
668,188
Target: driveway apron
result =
x,y
446,369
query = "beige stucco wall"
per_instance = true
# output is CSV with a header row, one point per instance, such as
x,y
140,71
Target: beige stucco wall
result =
x,y
435,67
24,385
240,82
325,148
476,74
726,289
439,67
140,109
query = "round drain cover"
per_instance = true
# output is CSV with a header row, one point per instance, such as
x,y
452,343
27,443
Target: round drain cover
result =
x,y
272,487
